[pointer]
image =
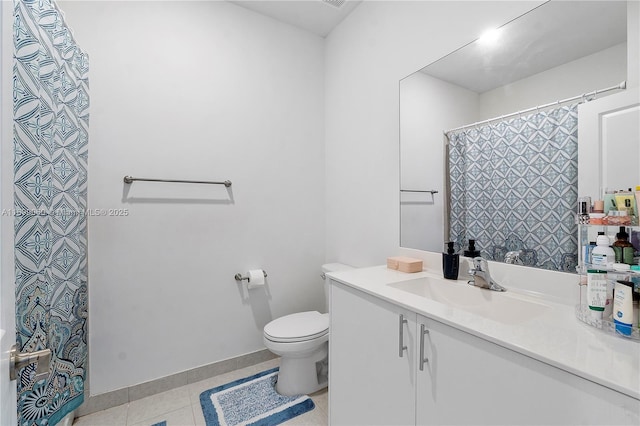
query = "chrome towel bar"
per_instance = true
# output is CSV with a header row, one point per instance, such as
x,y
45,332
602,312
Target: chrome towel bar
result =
x,y
432,191
130,179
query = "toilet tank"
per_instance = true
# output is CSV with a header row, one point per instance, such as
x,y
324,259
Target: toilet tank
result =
x,y
331,267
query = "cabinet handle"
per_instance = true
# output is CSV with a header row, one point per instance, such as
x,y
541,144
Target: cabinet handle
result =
x,y
423,360
401,346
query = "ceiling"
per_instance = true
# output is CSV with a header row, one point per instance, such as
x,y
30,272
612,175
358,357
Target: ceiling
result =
x,y
316,16
553,34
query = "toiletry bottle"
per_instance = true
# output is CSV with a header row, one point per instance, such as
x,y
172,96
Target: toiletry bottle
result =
x,y
598,206
623,248
626,202
584,208
623,307
609,200
472,252
636,310
590,247
617,272
602,256
582,282
637,198
450,263
596,292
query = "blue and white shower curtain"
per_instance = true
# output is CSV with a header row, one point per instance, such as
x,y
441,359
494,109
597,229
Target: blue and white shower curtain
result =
x,y
514,186
50,137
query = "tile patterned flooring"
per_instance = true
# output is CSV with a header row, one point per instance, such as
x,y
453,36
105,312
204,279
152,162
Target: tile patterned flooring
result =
x,y
181,406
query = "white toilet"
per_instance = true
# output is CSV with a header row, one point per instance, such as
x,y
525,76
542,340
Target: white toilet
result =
x,y
301,340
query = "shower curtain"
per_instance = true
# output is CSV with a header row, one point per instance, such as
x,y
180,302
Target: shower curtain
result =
x,y
514,186
50,137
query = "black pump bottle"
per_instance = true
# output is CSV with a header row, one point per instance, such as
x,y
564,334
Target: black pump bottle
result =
x,y
450,263
472,252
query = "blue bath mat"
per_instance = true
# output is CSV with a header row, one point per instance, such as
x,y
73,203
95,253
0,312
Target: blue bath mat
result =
x,y
252,401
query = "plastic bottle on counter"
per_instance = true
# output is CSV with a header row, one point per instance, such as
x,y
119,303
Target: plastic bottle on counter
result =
x,y
603,255
584,208
472,252
623,307
596,292
623,248
450,262
617,272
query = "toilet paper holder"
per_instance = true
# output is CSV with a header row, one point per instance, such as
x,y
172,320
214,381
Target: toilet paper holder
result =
x,y
239,277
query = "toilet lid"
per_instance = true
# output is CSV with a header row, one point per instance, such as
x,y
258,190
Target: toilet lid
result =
x,y
297,327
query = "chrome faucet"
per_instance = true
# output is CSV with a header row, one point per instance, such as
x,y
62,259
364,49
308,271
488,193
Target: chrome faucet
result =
x,y
513,257
480,276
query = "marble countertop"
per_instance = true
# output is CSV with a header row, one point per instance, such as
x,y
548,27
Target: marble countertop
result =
x,y
555,337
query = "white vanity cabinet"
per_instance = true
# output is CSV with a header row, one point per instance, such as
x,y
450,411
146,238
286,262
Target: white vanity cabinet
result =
x,y
370,383
470,381
464,380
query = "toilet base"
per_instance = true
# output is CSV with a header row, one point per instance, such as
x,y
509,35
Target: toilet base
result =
x,y
303,375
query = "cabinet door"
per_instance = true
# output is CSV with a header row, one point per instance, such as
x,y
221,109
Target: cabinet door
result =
x,y
369,383
609,148
468,380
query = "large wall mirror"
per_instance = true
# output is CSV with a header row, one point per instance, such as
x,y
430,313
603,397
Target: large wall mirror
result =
x,y
530,74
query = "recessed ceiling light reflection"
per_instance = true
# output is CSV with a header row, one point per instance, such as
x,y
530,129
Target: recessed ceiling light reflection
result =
x,y
491,36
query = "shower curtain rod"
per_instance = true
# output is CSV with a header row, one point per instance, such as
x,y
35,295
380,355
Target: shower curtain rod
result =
x,y
584,96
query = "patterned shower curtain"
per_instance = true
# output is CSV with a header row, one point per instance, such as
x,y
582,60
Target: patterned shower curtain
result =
x,y
50,137
514,186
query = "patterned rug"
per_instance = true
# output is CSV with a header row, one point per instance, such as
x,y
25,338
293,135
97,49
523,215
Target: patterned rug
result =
x,y
252,401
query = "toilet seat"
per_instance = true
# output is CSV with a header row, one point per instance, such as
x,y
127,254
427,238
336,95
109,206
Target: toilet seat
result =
x,y
297,327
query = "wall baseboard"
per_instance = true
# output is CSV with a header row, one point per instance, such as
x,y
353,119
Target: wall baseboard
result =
x,y
94,403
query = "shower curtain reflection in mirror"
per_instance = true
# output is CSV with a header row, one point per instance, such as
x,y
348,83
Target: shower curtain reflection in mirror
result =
x,y
514,186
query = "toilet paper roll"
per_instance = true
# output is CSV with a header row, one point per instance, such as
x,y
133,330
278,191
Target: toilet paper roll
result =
x,y
256,278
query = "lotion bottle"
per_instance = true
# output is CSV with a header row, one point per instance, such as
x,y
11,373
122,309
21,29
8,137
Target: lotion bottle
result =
x,y
450,262
623,307
603,255
596,292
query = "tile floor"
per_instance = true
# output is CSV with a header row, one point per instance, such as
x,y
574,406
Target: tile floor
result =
x,y
181,406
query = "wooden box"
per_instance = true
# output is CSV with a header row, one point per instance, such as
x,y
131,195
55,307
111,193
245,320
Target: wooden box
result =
x,y
404,264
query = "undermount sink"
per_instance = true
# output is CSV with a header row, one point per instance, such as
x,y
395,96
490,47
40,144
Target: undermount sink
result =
x,y
503,307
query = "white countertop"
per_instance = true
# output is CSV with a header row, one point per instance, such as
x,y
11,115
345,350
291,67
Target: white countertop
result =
x,y
556,337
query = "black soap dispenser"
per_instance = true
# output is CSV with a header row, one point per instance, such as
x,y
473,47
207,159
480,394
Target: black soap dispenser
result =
x,y
450,263
472,252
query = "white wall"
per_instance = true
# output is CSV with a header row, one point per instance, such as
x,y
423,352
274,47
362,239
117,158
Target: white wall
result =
x,y
198,90
427,107
633,42
593,72
366,55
